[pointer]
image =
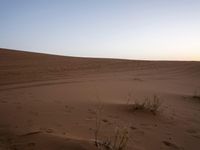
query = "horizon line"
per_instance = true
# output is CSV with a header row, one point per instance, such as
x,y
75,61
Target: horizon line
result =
x,y
96,57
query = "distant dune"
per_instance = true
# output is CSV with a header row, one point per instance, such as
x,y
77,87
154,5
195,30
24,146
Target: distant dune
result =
x,y
51,102
20,66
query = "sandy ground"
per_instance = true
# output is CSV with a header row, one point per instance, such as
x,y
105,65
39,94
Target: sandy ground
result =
x,y
50,102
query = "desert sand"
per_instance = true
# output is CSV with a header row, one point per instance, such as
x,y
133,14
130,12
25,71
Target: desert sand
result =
x,y
50,102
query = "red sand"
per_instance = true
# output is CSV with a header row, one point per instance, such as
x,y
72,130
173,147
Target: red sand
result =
x,y
49,102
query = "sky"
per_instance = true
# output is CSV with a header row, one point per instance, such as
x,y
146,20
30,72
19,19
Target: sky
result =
x,y
130,29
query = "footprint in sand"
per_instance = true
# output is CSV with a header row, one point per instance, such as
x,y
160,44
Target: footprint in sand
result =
x,y
91,111
113,116
146,126
196,136
105,120
31,133
191,131
137,79
3,101
172,145
194,133
34,113
89,118
32,144
49,130
19,146
133,128
68,109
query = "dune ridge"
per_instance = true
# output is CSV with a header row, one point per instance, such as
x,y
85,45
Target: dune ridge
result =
x,y
22,67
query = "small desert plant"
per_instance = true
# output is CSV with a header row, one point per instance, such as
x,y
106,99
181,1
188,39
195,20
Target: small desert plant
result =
x,y
116,142
120,139
97,123
149,104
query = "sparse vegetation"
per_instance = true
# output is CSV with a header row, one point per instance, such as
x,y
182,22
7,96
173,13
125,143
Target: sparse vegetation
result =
x,y
97,124
148,104
120,137
116,142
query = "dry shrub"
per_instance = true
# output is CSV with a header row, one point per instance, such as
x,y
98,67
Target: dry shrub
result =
x,y
116,142
148,104
97,123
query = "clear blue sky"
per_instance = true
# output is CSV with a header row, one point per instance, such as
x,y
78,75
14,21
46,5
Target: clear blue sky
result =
x,y
134,29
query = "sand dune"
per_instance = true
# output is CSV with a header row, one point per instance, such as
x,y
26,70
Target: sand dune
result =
x,y
50,102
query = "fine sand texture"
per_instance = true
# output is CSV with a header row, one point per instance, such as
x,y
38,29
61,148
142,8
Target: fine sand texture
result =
x,y
50,102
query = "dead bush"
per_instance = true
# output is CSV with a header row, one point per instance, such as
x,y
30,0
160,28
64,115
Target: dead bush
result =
x,y
149,104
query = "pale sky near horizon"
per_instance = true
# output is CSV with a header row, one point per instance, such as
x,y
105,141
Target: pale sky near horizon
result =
x,y
132,29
